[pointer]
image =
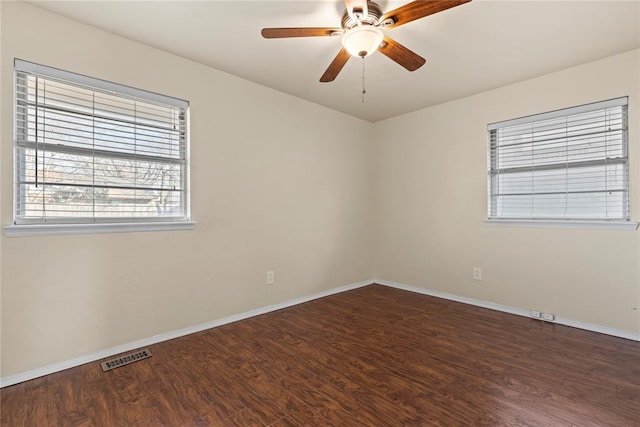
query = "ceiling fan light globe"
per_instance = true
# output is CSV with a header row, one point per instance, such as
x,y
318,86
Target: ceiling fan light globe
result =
x,y
362,40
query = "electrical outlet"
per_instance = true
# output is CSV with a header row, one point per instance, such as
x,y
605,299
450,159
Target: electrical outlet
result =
x,y
271,277
549,317
536,314
477,273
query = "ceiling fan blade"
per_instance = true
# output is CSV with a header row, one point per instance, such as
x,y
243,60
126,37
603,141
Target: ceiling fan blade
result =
x,y
419,9
279,33
400,54
336,65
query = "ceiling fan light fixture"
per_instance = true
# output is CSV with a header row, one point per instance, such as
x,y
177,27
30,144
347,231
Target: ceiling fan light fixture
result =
x,y
362,40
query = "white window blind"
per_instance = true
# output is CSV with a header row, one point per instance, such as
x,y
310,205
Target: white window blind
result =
x,y
570,164
91,151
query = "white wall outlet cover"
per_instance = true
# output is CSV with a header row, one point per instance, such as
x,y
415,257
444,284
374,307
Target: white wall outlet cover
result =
x,y
271,277
548,316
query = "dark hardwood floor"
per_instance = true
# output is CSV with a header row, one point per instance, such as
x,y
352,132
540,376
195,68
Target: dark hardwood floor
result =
x,y
374,356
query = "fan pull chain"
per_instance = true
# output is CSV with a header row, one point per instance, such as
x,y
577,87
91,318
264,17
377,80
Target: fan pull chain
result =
x,y
363,89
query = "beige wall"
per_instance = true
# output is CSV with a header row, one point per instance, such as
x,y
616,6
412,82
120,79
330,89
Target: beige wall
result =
x,y
2,135
282,184
431,203
278,183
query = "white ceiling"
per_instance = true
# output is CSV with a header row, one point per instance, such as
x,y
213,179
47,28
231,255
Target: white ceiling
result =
x,y
469,49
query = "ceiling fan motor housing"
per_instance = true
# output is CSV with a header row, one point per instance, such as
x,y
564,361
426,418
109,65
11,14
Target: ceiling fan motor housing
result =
x,y
372,18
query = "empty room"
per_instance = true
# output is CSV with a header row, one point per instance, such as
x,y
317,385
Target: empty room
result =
x,y
320,213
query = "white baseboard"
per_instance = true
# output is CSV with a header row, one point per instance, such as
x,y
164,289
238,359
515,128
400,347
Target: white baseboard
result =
x,y
634,336
112,351
81,360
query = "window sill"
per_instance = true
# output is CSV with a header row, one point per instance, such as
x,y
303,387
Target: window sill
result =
x,y
617,225
53,229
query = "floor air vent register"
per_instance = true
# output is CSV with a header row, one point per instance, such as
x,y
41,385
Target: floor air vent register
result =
x,y
125,360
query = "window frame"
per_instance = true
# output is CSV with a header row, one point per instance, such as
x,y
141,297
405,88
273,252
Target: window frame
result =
x,y
555,222
93,224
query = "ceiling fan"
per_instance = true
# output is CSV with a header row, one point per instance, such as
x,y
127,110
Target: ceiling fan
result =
x,y
363,32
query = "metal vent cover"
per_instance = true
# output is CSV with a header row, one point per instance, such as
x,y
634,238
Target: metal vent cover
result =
x,y
125,360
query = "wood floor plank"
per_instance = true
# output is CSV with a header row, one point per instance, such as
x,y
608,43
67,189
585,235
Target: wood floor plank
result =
x,y
371,356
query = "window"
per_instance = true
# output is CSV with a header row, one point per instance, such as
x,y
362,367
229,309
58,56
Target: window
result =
x,y
89,151
570,164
